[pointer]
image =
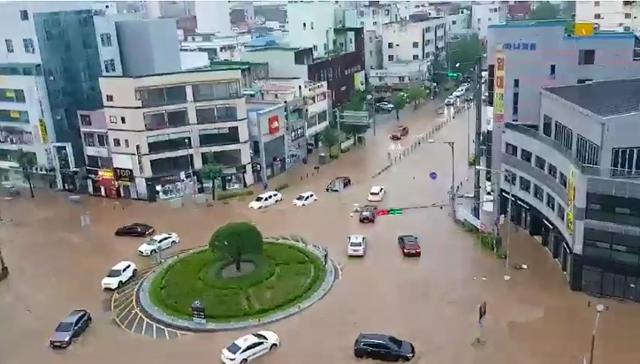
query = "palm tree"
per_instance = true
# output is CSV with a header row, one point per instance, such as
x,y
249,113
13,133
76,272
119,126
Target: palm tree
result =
x,y
212,172
27,161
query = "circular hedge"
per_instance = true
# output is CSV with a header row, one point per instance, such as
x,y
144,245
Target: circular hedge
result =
x,y
283,275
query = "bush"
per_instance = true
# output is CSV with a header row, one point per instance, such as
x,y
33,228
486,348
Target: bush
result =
x,y
236,239
488,242
282,187
232,194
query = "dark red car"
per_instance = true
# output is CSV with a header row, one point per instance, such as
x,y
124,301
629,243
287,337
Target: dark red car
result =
x,y
135,229
409,245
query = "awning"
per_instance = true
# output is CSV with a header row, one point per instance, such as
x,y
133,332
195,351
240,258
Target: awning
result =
x,y
9,165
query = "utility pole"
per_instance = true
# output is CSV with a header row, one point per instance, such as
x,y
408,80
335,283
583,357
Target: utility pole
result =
x,y
478,105
599,309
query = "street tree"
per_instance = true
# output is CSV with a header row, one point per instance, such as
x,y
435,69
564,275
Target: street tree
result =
x,y
237,240
464,53
399,101
545,10
416,94
354,129
357,102
27,161
4,270
212,172
330,137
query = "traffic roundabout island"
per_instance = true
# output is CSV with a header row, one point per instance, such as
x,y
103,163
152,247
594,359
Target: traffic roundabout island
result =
x,y
280,279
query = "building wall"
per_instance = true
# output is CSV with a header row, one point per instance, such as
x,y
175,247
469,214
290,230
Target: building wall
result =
x,y
213,17
311,24
148,46
608,15
372,50
107,40
485,14
406,41
459,23
281,62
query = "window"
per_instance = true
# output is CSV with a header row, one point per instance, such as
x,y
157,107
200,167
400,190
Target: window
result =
x,y
400,78
560,211
123,120
516,83
85,120
209,91
625,161
304,26
546,125
311,24
552,171
511,149
587,151
526,155
582,81
627,15
109,65
622,210
540,163
109,98
563,180
586,56
14,116
390,57
126,143
28,45
416,44
597,16
24,15
105,39
563,136
525,184
596,3
427,29
416,57
380,79
89,139
116,142
113,119
551,202
538,193
12,95
552,71
102,140
9,44
510,177
390,45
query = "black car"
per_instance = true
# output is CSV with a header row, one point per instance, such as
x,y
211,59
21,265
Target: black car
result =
x,y
135,229
368,214
383,347
338,184
70,328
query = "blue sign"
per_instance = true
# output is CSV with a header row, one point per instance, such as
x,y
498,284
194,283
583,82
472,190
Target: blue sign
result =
x,y
433,175
519,46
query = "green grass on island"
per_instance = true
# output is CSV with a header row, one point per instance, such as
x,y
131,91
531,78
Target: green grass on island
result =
x,y
283,276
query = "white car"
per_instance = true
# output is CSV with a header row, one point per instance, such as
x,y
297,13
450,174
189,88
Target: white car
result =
x,y
265,199
356,246
305,199
119,274
250,347
376,194
157,243
386,106
449,101
457,93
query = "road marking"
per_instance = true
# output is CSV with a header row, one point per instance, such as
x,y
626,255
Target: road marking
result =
x,y
135,323
125,311
132,313
166,333
144,326
155,336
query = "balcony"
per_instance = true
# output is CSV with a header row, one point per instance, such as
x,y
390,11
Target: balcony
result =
x,y
217,114
165,119
547,141
216,91
162,96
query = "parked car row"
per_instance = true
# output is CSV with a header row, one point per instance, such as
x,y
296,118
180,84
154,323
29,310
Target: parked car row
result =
x,y
408,244
270,198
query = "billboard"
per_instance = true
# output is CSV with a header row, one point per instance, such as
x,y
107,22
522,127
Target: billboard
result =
x,y
44,135
498,89
571,197
274,124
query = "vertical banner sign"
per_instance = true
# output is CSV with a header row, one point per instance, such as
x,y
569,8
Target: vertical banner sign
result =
x,y
274,124
571,197
498,93
44,135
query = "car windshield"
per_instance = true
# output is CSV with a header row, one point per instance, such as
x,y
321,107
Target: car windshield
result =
x,y
260,336
374,192
300,197
151,241
259,198
64,327
114,273
233,348
355,244
395,341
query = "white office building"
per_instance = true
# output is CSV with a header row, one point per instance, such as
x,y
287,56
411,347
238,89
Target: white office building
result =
x,y
610,15
484,14
413,41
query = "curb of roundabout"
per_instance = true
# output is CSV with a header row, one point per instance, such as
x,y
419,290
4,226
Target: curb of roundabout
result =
x,y
154,314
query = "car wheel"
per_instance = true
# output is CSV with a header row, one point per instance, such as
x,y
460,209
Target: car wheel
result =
x,y
358,354
273,347
119,285
154,251
135,271
243,361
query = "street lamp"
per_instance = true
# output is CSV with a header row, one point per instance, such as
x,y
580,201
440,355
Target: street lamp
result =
x,y
453,175
599,309
508,237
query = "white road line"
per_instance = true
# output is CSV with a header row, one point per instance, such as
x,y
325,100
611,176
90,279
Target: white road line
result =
x,y
125,311
155,336
166,333
135,323
144,326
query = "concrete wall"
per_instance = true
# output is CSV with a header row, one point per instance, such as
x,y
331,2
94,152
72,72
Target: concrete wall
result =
x,y
372,50
281,62
311,24
213,17
148,46
485,14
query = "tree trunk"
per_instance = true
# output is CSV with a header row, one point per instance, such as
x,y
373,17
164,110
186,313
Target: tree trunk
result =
x,y
213,189
237,264
4,270
27,175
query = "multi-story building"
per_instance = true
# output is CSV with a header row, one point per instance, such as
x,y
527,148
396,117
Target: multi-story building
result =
x,y
226,48
484,14
400,75
459,23
372,50
213,17
267,134
573,181
423,39
164,128
101,179
610,15
312,24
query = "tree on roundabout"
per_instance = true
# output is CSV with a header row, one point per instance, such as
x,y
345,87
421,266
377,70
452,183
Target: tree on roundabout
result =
x,y
237,239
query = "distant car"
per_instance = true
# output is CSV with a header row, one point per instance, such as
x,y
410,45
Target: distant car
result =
x,y
457,93
368,214
385,106
249,347
135,229
464,86
356,246
338,184
266,199
119,274
376,194
400,132
157,243
409,245
70,328
449,101
383,347
305,199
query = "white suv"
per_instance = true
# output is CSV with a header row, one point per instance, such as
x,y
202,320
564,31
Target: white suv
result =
x,y
265,199
356,246
376,194
120,274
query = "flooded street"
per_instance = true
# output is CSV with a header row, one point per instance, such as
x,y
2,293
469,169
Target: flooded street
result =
x,y
432,301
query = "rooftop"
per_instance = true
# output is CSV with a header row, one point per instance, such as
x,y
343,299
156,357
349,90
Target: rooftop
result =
x,y
604,98
195,70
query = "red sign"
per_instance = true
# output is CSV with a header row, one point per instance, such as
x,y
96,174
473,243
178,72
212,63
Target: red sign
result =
x,y
274,124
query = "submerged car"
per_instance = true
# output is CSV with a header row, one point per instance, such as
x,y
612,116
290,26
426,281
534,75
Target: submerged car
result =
x,y
265,199
157,243
70,328
249,347
119,274
383,347
401,132
135,229
376,194
305,199
338,184
368,214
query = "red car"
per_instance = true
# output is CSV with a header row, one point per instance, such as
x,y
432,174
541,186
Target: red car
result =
x,y
409,245
401,132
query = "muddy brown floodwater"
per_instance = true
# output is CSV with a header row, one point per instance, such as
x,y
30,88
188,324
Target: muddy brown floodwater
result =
x,y
533,318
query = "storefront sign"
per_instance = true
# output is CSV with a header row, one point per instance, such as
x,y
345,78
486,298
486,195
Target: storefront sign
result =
x,y
519,46
274,124
571,197
105,174
123,174
498,93
44,135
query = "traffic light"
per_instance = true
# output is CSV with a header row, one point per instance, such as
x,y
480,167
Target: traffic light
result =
x,y
455,75
382,212
395,211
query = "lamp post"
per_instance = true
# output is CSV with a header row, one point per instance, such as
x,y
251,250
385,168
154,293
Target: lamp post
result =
x,y
508,235
599,309
453,175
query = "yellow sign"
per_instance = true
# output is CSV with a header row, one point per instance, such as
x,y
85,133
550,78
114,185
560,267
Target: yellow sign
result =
x,y
571,197
498,89
14,114
44,136
106,174
584,29
10,93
